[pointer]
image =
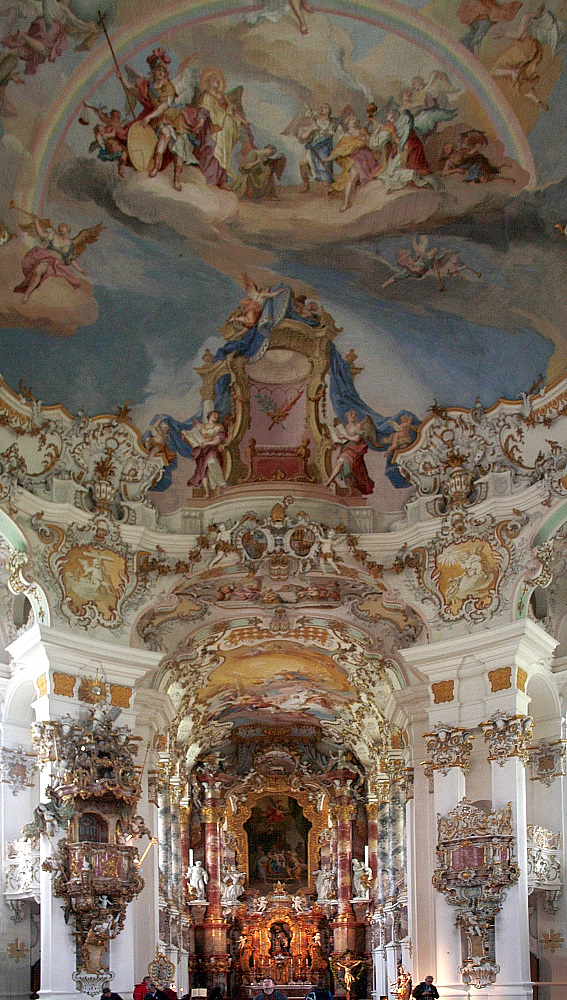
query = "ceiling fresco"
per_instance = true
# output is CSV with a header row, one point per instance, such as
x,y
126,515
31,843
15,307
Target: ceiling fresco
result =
x,y
318,222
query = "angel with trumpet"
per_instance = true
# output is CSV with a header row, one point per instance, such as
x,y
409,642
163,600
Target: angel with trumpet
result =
x,y
55,255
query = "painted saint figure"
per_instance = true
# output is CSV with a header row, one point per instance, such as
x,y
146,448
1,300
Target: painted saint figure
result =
x,y
258,173
45,39
358,162
316,132
480,15
350,466
207,439
166,108
226,115
520,63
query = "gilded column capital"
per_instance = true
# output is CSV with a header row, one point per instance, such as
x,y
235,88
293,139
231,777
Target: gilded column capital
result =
x,y
372,810
212,814
379,790
448,746
342,811
507,736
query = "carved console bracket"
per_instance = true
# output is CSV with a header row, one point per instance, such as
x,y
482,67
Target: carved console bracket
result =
x,y
544,865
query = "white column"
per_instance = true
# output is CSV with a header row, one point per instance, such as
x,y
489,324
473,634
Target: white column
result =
x,y
37,656
511,923
58,955
449,789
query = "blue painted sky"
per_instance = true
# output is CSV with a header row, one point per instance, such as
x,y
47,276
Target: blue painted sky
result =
x,y
111,361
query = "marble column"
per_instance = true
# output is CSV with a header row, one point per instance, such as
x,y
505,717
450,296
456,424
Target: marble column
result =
x,y
395,838
185,843
344,924
382,854
214,926
372,807
164,832
176,866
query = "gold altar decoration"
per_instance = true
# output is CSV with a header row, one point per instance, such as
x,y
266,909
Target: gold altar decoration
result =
x,y
306,793
160,970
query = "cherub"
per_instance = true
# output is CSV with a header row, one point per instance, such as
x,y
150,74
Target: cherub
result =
x,y
404,433
110,138
222,543
250,308
327,553
156,441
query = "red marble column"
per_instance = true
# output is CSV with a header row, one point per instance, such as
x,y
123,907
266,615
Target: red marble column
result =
x,y
216,959
345,922
213,816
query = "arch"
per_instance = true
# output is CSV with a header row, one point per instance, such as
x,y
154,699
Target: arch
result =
x,y
551,525
544,708
18,707
18,549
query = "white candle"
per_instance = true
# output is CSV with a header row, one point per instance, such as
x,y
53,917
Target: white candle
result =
x,y
190,857
366,855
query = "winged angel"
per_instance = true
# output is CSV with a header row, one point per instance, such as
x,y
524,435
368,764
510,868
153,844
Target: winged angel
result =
x,y
427,261
49,22
351,438
55,255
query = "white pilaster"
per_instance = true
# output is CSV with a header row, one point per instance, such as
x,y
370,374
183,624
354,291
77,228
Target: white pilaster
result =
x,y
511,923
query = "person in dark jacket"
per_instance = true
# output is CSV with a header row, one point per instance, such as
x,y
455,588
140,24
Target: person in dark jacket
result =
x,y
426,990
269,991
107,994
154,993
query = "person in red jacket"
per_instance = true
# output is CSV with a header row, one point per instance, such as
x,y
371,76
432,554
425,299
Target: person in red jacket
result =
x,y
142,988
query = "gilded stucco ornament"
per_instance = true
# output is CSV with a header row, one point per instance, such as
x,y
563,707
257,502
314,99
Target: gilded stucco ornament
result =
x,y
14,560
95,570
507,736
448,746
544,865
97,464
95,866
475,868
21,870
547,760
17,768
462,568
462,456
